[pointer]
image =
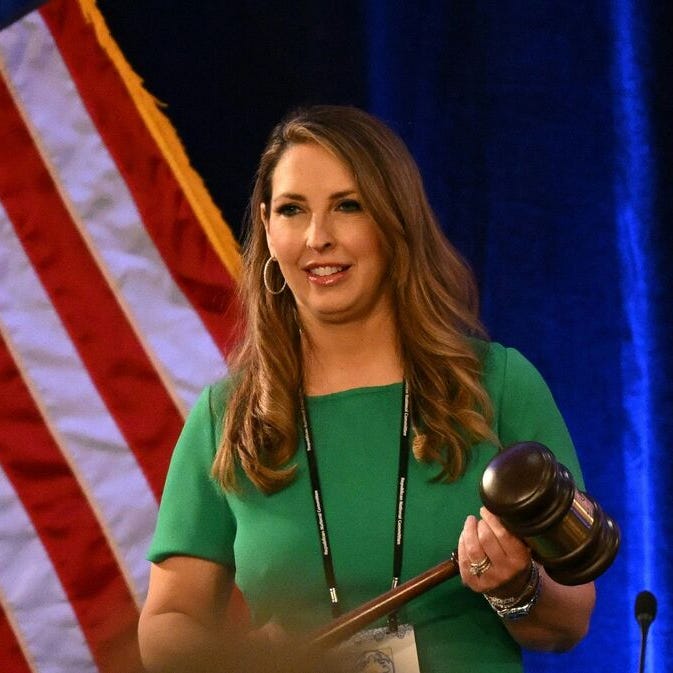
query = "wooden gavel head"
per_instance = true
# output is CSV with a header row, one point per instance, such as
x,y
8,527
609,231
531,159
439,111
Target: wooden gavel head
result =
x,y
536,499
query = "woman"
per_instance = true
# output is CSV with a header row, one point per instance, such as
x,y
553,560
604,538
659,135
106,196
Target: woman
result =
x,y
360,315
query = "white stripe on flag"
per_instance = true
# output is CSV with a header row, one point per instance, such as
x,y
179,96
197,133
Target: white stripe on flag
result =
x,y
44,618
103,208
79,420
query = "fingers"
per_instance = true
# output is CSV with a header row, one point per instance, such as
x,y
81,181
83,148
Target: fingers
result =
x,y
474,559
496,539
271,631
489,556
494,523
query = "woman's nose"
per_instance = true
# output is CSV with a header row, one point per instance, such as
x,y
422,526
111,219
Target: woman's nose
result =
x,y
319,235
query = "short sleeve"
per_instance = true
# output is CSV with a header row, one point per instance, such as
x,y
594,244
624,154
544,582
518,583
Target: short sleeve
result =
x,y
194,516
526,410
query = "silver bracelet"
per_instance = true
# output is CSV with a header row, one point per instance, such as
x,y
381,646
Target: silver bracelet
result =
x,y
519,606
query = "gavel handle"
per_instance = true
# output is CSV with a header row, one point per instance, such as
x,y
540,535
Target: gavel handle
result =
x,y
349,624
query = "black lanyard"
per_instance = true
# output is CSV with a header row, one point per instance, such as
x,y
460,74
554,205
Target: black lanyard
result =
x,y
402,470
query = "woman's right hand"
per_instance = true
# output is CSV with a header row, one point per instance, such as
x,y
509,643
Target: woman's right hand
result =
x,y
185,627
271,632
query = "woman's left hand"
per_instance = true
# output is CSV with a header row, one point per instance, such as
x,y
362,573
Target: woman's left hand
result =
x,y
493,561
490,558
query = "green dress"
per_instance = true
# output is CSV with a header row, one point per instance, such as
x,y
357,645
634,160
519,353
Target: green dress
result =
x,y
273,543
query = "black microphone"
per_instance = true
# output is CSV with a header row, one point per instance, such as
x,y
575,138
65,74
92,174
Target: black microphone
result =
x,y
646,611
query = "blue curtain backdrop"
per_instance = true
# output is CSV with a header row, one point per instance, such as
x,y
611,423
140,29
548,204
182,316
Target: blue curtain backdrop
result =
x,y
544,133
543,130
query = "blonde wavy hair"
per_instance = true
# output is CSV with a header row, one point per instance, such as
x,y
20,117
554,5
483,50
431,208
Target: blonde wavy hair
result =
x,y
435,299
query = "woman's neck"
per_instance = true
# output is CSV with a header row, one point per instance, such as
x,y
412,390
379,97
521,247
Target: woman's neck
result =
x,y
354,355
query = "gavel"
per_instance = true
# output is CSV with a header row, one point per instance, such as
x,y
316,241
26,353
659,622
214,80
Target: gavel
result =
x,y
537,500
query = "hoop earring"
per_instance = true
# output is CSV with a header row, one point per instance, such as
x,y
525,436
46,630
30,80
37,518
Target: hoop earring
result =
x,y
265,278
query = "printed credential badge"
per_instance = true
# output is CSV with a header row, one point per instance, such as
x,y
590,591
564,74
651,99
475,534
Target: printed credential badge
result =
x,y
379,651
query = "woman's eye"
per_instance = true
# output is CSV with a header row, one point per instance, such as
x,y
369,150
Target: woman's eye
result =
x,y
287,210
349,206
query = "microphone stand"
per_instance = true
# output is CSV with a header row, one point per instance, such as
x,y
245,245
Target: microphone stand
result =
x,y
646,611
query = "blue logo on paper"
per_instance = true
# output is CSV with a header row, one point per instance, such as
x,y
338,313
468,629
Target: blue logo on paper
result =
x,y
374,661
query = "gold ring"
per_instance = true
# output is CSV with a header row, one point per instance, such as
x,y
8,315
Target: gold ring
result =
x,y
478,569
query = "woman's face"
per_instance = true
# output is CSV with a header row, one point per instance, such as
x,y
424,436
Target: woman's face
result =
x,y
328,247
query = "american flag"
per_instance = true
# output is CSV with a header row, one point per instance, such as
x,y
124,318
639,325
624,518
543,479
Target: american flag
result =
x,y
117,274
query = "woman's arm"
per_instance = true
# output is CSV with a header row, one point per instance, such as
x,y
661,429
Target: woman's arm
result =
x,y
559,618
185,627
183,624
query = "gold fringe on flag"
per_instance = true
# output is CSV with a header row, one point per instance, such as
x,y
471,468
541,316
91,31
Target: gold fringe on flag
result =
x,y
167,139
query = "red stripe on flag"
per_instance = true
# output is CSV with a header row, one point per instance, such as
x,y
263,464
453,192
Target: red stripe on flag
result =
x,y
166,213
13,658
111,351
69,531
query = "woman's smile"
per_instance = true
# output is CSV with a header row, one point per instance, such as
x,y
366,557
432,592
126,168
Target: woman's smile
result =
x,y
326,275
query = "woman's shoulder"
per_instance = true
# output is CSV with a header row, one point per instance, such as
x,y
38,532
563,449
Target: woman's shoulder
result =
x,y
212,399
204,422
220,390
502,365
